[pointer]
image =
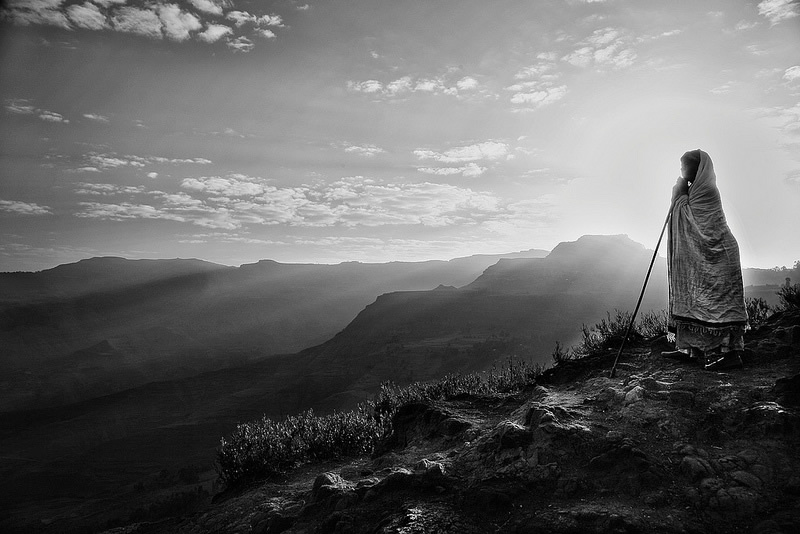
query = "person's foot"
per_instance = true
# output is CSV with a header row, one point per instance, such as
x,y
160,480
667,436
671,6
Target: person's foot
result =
x,y
725,361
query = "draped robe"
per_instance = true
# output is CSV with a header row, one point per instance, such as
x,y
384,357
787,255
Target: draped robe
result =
x,y
706,294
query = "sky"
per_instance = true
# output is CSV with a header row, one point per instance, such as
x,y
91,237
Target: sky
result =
x,y
387,130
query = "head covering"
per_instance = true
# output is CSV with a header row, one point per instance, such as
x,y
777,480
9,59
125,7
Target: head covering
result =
x,y
692,161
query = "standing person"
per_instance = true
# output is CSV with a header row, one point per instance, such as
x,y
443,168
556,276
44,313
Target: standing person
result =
x,y
706,295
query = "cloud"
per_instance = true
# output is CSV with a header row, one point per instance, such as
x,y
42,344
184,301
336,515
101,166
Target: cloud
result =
x,y
152,175
367,151
177,23
605,47
368,86
449,84
95,117
488,150
240,18
95,189
87,16
45,12
142,22
792,73
235,185
603,37
304,7
23,208
109,3
538,98
536,86
52,116
214,32
722,89
112,161
152,19
265,33
778,10
211,7
123,211
20,107
581,57
240,44
744,25
236,201
467,83
469,170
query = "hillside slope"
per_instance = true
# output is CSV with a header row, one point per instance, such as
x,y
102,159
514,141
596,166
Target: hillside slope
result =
x,y
663,447
103,325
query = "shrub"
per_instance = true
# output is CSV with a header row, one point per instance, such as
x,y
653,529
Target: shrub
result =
x,y
789,297
610,332
497,381
757,311
560,354
267,448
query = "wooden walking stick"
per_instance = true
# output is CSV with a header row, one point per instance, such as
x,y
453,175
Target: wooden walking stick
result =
x,y
641,295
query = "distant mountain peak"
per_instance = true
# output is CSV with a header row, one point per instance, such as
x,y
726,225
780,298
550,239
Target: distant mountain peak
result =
x,y
592,247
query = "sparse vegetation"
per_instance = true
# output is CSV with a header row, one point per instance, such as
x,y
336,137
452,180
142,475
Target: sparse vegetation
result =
x,y
610,332
758,310
499,380
267,448
789,297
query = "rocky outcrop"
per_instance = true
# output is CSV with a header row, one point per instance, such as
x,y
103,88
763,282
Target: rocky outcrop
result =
x,y
663,447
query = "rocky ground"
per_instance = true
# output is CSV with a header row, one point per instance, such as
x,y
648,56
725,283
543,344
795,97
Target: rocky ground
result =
x,y
663,447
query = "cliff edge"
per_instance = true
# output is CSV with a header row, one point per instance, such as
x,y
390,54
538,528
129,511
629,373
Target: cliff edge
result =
x,y
663,447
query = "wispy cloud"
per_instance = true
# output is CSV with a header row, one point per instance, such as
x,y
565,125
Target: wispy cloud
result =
x,y
94,189
94,161
722,89
469,170
241,44
234,185
778,10
792,74
23,208
605,47
21,106
367,151
236,201
96,118
452,83
488,150
125,210
465,158
537,85
52,116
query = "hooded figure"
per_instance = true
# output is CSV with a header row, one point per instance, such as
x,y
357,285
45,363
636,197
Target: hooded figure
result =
x,y
706,295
